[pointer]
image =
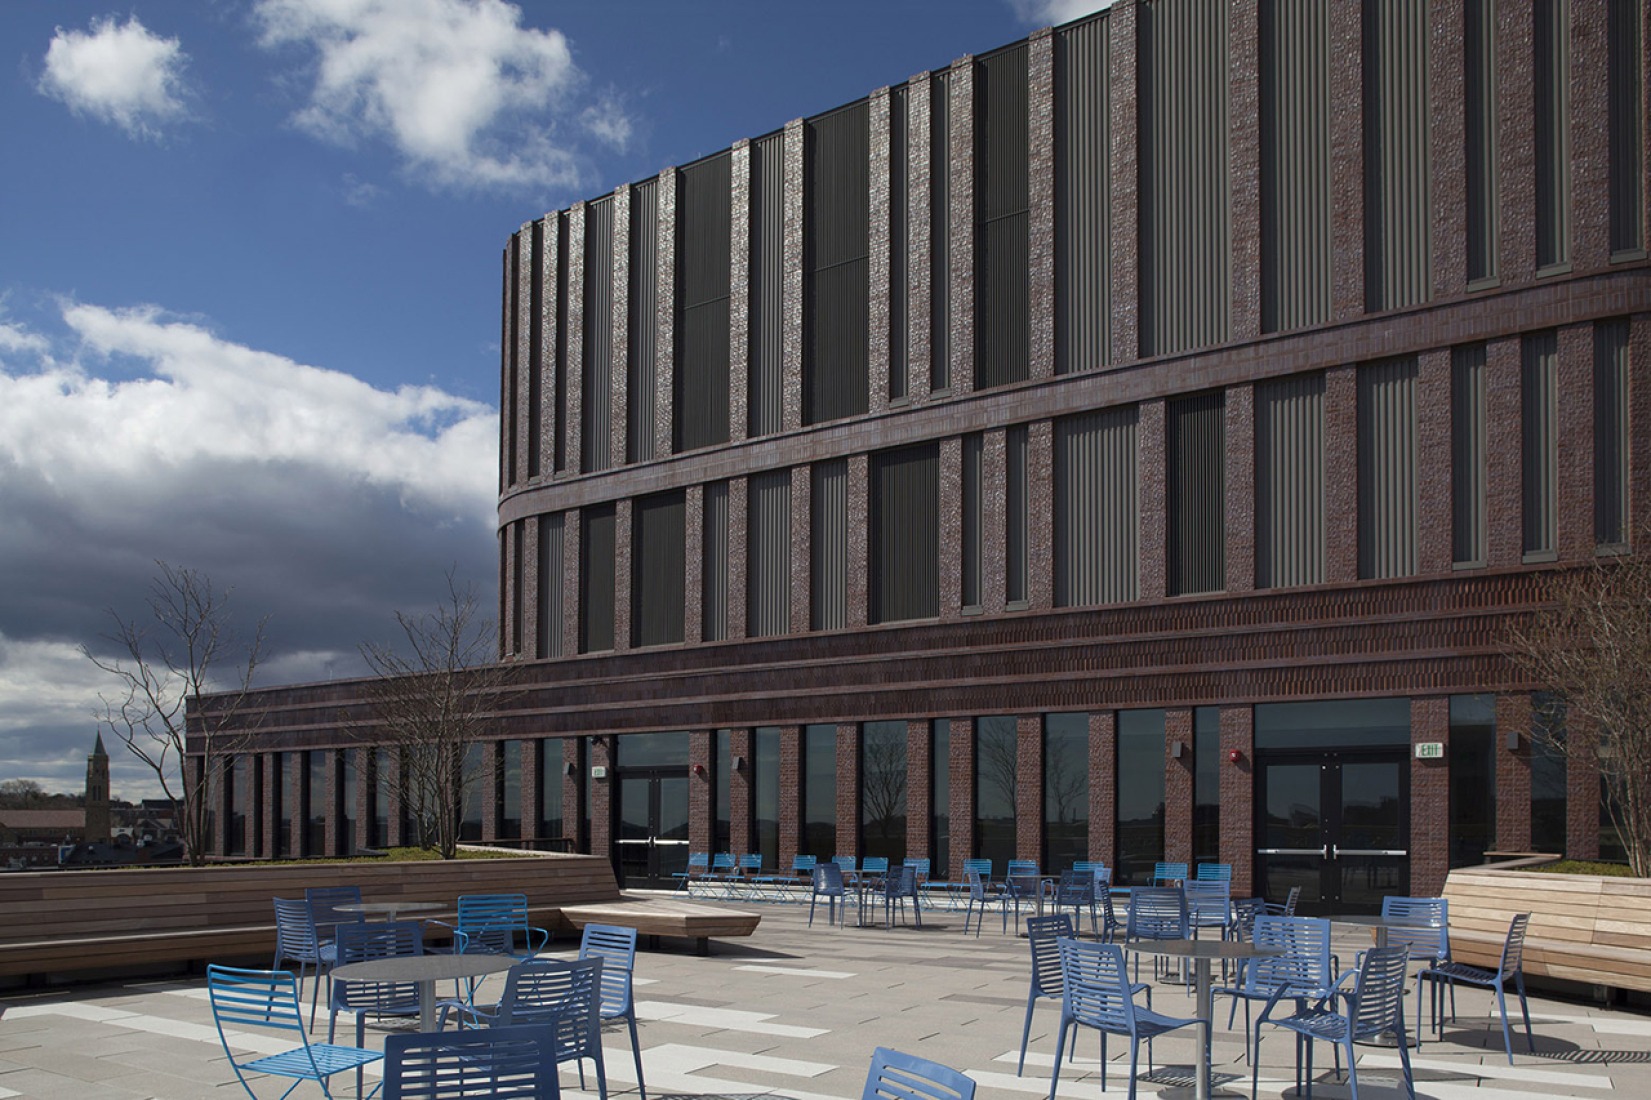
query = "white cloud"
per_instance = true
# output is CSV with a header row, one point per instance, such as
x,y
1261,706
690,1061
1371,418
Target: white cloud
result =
x,y
1052,13
117,72
469,97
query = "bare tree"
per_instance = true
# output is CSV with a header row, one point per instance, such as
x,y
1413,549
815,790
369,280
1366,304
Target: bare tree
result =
x,y
1592,646
433,704
183,650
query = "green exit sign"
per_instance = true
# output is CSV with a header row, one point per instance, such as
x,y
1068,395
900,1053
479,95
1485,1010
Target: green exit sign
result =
x,y
1430,750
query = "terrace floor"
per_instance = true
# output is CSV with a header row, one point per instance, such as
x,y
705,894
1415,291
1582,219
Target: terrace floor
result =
x,y
796,1011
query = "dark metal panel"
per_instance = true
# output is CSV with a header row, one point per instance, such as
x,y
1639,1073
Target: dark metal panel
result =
x,y
768,550
1296,248
836,270
1539,412
1468,460
512,360
1625,84
1480,129
559,368
974,453
1551,27
1398,207
940,232
1389,489
899,241
714,567
767,382
658,569
828,545
700,384
1016,514
596,393
1196,450
596,578
551,604
905,534
1186,249
535,346
1096,508
641,349
1611,383
1289,481
1083,205
1002,242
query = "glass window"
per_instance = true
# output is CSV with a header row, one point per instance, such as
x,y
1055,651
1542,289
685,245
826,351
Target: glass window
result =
x,y
940,796
819,791
1065,789
281,812
765,793
1548,779
1472,778
510,792
237,801
722,828
551,782
1140,826
1206,785
315,804
883,790
653,750
379,792
995,788
470,793
1333,724
346,805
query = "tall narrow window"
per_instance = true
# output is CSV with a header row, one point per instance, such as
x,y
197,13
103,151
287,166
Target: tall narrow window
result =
x,y
1296,192
317,790
1479,120
346,801
768,550
658,569
765,793
722,825
899,242
548,630
596,578
596,385
509,816
381,789
974,450
940,795
1140,805
642,304
1551,65
940,232
836,263
1540,451
905,534
237,797
819,795
552,781
536,334
1197,455
883,790
766,377
1289,481
1611,382
1065,789
828,544
473,769
1549,782
1001,204
996,786
1206,785
714,564
1472,778
286,798
1469,516
1096,508
518,571
559,350
700,391
1388,492
1016,515
1083,242
1398,209
1626,88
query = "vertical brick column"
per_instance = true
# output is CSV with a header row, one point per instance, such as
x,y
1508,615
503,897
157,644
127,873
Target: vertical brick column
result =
x,y
1178,776
1154,521
791,323
1040,518
395,814
1103,786
962,373
1341,475
879,236
693,564
622,575
739,291
572,536
533,774
919,255
1447,156
619,374
802,508
1576,442
848,789
859,538
1244,168
951,528
293,799
738,521
1515,144
791,816
961,776
1513,774
1040,178
701,777
1639,411
547,321
1238,796
1347,162
267,822
1583,807
1434,552
1123,99
1029,787
1238,419
739,791
1590,141
1429,841
994,461
919,791
573,401
600,810
1503,448
664,315
215,768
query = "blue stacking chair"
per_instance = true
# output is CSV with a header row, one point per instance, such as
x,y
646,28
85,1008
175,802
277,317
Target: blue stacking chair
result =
x,y
616,947
801,876
828,884
920,864
1163,874
721,875
698,864
1301,969
504,1063
562,992
490,924
898,885
1156,913
1021,882
1373,1008
1096,992
1423,926
1076,891
1209,905
1510,969
979,898
1215,872
748,872
874,866
296,940
897,1076
252,1000
381,940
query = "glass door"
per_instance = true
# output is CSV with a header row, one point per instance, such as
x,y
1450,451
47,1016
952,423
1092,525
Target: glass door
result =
x,y
1335,824
652,833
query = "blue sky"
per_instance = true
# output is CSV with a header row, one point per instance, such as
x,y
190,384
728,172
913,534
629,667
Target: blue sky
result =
x,y
249,272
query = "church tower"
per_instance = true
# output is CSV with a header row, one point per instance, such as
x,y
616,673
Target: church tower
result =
x,y
97,794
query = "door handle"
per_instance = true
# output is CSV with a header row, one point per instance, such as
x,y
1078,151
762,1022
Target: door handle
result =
x,y
1370,852
1322,853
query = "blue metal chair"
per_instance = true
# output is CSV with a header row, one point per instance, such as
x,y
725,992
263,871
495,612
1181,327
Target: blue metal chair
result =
x,y
489,924
1215,872
504,1063
1509,969
1076,891
1110,924
920,864
296,940
898,885
251,1000
800,878
324,902
1287,907
1302,967
616,947
1422,925
564,993
828,884
1209,905
358,943
720,877
1164,874
1157,913
1021,883
1043,934
874,866
747,873
979,899
1097,993
897,1076
698,864
1373,1008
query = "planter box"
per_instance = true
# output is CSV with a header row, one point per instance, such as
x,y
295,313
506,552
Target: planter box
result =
x,y
1584,928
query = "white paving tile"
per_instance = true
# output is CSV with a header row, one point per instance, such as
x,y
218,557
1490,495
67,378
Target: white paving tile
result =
x,y
726,1019
1494,1071
687,1058
74,1010
797,971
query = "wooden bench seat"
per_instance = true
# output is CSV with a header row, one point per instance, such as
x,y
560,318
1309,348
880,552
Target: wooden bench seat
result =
x,y
665,917
1584,928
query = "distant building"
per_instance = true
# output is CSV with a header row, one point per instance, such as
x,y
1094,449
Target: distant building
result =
x,y
33,837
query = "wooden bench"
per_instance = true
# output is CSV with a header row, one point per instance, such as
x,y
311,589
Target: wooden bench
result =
x,y
1584,928
665,917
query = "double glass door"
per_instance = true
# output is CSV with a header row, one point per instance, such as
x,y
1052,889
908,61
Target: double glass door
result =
x,y
652,833
1336,824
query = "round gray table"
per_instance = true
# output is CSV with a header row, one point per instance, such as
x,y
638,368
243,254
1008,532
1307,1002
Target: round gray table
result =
x,y
1201,952
391,909
426,970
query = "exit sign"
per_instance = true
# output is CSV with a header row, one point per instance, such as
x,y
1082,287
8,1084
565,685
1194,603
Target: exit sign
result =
x,y
1430,750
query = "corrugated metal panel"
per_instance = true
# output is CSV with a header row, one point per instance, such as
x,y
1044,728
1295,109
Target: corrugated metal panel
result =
x,y
1398,206
1002,243
535,347
974,454
1540,438
767,381
551,568
658,569
559,368
899,241
1196,447
1016,514
1468,464
641,350
512,365
828,546
768,553
940,232
1389,494
596,431
836,268
1096,508
1083,202
700,385
1186,248
518,570
714,567
1296,246
1479,120
905,534
1611,433
1551,31
1289,482
1625,84
596,578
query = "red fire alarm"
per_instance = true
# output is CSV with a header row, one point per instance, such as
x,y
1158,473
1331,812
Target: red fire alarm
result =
x,y
699,769
1234,756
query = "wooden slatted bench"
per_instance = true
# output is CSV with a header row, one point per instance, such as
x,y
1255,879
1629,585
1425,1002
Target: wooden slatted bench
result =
x,y
1584,928
665,917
